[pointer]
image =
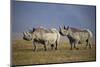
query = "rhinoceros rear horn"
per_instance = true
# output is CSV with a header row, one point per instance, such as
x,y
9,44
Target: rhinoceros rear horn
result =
x,y
24,33
30,31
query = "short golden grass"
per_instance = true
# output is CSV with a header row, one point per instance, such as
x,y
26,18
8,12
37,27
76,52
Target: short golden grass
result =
x,y
22,53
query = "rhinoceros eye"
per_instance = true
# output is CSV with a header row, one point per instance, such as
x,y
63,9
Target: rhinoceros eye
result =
x,y
29,35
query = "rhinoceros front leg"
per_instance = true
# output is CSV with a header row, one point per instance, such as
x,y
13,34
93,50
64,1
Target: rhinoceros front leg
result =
x,y
34,46
45,45
75,45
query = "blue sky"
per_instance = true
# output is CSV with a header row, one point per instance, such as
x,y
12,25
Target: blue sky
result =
x,y
26,15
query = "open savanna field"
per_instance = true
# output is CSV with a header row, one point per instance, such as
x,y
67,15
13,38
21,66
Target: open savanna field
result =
x,y
22,53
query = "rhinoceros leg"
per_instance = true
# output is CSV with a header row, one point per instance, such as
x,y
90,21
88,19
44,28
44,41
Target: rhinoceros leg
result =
x,y
34,46
45,45
88,43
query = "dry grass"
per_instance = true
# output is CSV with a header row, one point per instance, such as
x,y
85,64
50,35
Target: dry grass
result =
x,y
22,54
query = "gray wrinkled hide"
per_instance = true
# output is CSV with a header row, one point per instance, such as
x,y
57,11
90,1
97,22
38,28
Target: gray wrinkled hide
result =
x,y
43,36
77,36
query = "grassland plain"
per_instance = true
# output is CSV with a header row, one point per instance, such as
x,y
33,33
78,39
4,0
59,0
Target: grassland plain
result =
x,y
22,53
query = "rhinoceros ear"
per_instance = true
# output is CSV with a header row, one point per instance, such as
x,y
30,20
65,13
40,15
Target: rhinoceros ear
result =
x,y
60,27
33,29
65,27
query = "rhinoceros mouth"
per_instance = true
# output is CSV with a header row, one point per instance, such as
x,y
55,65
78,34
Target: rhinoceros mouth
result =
x,y
28,39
